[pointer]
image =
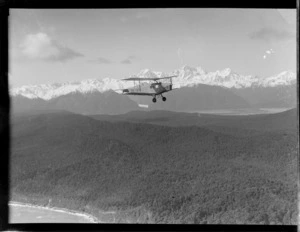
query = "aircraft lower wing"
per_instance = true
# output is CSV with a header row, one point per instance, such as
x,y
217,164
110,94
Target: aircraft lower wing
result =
x,y
139,93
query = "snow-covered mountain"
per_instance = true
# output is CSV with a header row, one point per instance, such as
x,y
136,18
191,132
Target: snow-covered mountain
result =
x,y
283,78
186,77
50,91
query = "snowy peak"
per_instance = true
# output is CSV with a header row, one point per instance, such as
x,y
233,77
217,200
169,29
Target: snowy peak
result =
x,y
226,72
283,78
201,71
147,73
186,75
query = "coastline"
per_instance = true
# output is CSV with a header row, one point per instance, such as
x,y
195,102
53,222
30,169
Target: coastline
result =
x,y
89,217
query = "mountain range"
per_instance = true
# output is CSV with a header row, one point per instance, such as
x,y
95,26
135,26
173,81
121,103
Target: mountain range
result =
x,y
196,90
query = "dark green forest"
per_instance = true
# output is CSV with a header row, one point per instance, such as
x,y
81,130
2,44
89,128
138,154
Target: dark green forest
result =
x,y
242,171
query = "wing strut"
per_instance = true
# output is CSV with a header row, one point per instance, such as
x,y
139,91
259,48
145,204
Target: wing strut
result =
x,y
140,85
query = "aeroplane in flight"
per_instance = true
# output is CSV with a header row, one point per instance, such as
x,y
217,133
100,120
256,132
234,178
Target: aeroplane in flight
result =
x,y
157,88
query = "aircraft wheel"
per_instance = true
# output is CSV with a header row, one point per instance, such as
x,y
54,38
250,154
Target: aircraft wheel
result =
x,y
154,99
164,98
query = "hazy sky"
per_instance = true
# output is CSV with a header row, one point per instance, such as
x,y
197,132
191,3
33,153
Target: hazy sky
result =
x,y
61,45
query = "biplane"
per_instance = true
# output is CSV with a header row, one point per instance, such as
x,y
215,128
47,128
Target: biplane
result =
x,y
157,88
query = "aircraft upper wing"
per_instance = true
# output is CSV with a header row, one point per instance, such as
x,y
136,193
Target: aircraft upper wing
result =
x,y
146,78
166,77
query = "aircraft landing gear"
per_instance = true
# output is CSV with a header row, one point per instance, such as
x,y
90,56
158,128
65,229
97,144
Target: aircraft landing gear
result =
x,y
154,99
164,98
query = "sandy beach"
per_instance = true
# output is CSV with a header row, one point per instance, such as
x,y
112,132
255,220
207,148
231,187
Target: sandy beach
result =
x,y
89,218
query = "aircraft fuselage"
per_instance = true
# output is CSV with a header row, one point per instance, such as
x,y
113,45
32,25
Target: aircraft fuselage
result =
x,y
159,88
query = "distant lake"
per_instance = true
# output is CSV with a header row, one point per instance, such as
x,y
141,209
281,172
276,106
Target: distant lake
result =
x,y
243,111
28,214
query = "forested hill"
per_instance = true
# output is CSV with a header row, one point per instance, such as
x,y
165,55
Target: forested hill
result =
x,y
142,172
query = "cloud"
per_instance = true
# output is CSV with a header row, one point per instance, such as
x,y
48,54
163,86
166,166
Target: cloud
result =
x,y
64,54
101,60
126,61
40,46
270,34
129,60
132,57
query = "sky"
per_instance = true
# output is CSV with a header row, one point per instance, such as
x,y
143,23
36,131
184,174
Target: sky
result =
x,y
62,45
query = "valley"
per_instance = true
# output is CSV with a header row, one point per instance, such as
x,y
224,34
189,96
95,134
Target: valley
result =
x,y
159,166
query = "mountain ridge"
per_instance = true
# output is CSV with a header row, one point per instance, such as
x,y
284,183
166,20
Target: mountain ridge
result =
x,y
187,77
92,102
